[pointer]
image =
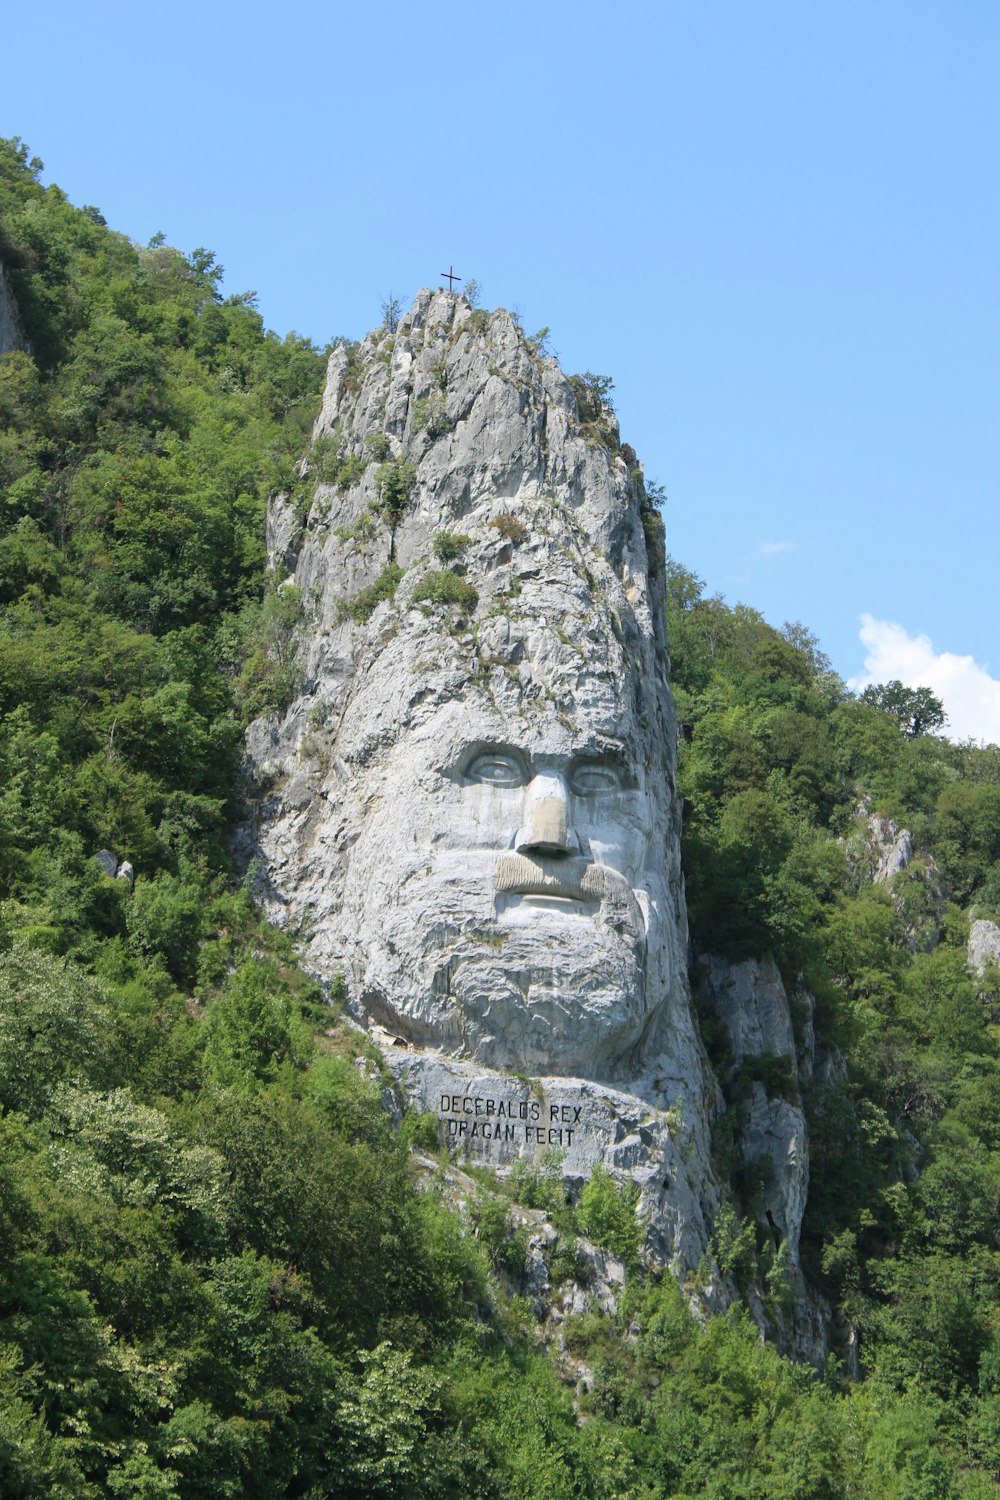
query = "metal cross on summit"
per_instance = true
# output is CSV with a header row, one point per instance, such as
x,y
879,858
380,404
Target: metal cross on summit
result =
x,y
452,276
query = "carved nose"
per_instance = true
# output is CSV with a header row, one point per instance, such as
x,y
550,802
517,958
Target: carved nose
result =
x,y
546,825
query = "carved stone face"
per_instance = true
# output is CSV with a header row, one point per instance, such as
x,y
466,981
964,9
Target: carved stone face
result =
x,y
509,882
473,818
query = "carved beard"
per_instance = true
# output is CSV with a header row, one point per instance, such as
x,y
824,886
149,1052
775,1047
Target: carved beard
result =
x,y
516,985
536,1005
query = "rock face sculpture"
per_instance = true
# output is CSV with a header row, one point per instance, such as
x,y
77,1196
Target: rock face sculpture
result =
x,y
472,815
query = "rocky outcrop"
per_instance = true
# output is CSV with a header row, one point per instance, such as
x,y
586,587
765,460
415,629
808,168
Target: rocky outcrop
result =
x,y
11,337
495,1118
771,1061
881,852
984,945
749,1002
469,812
889,848
282,536
115,868
561,1275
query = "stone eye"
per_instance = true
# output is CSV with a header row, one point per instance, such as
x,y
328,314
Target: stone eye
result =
x,y
588,779
496,770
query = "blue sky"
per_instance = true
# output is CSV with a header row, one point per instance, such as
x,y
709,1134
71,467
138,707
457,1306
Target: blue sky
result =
x,y
775,226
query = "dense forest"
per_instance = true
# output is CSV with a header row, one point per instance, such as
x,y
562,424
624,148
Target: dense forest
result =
x,y
225,1270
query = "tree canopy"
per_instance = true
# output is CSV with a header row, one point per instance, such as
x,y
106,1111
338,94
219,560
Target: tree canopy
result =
x,y
221,1273
916,710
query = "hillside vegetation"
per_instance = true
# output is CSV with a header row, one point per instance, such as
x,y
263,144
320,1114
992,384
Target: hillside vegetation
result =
x,y
218,1275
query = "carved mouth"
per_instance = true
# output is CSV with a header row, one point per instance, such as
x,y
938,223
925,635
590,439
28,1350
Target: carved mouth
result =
x,y
545,901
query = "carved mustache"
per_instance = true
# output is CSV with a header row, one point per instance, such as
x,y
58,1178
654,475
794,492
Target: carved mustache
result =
x,y
573,879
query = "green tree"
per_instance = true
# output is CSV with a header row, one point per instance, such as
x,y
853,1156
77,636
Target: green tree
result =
x,y
916,710
607,1215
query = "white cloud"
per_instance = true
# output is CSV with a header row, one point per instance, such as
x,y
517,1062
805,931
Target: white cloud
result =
x,y
773,549
971,697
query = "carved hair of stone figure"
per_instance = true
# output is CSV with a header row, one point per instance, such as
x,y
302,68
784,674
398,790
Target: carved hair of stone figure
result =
x,y
478,831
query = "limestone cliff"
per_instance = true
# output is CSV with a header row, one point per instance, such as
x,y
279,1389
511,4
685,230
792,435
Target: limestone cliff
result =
x,y
469,813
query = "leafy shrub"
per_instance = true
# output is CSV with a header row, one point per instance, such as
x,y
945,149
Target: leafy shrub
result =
x,y
364,603
593,395
421,1129
606,1214
355,365
325,458
449,544
391,308
509,527
491,1219
359,530
540,1185
395,486
263,639
775,1073
253,1026
350,471
445,587
378,446
654,532
429,415
166,916
733,1244
564,1260
595,407
54,1024
539,343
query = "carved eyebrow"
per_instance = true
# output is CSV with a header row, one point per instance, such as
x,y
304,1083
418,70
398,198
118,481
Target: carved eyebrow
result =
x,y
477,748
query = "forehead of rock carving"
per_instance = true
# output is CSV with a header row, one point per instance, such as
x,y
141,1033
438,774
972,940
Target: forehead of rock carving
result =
x,y
554,658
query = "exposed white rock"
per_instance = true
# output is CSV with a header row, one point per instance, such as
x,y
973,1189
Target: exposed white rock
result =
x,y
889,847
880,851
984,945
497,1118
115,868
750,1001
470,810
11,337
282,532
